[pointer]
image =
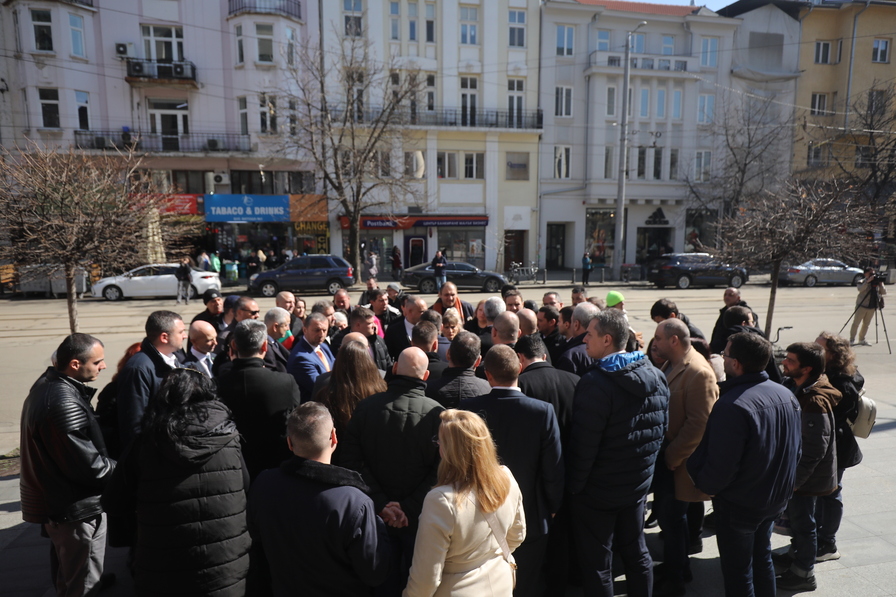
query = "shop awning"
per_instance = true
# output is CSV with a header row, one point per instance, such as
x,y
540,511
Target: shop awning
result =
x,y
405,222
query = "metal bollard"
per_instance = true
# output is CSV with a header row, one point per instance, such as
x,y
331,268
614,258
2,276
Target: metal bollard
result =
x,y
603,272
544,275
573,275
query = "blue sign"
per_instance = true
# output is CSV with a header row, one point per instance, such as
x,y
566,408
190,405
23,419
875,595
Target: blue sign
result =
x,y
247,208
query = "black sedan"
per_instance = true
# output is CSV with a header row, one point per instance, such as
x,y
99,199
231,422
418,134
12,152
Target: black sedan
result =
x,y
463,275
694,269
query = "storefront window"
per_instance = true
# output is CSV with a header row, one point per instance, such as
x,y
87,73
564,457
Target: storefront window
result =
x,y
376,241
464,244
600,232
701,226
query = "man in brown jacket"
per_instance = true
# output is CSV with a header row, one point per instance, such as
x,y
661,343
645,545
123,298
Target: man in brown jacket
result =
x,y
693,391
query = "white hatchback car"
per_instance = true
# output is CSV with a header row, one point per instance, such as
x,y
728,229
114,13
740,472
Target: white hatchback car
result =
x,y
153,280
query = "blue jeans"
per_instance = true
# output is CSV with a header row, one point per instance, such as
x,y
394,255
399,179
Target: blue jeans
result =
x,y
829,513
801,511
440,281
745,551
597,532
673,518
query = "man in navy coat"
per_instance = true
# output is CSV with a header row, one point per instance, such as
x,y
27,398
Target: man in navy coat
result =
x,y
310,356
528,440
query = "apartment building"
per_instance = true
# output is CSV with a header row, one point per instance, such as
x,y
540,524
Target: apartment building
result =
x,y
681,61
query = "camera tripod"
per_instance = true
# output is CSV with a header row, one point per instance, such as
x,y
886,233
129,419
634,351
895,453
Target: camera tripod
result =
x,y
873,300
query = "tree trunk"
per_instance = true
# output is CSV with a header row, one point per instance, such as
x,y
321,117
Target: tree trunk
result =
x,y
776,270
71,297
354,244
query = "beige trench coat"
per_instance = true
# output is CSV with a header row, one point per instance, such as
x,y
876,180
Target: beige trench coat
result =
x,y
456,553
693,392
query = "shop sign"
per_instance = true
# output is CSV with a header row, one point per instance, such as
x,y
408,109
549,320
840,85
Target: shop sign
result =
x,y
312,227
246,208
657,218
405,222
182,204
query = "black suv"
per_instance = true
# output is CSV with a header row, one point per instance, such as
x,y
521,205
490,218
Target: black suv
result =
x,y
692,269
309,272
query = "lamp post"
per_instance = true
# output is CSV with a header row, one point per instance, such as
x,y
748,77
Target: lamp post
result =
x,y
619,234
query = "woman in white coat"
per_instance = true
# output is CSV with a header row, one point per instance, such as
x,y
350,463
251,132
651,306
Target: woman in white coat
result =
x,y
456,552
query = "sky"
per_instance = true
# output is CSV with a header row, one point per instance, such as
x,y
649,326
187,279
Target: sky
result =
x,y
710,4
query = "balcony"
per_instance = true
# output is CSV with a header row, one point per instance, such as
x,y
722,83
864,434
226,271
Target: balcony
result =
x,y
81,2
142,71
611,62
286,8
456,117
156,142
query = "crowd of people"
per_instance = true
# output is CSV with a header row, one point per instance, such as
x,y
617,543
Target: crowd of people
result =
x,y
397,447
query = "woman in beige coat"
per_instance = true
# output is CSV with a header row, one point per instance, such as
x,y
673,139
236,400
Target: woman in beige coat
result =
x,y
456,552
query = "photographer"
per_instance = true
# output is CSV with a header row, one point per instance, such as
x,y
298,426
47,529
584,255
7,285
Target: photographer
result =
x,y
869,300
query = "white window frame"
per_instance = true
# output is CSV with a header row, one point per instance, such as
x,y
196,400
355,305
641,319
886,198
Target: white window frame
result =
x,y
413,30
264,38
353,18
414,165
819,105
517,28
41,26
475,161
290,46
661,103
657,163
668,47
818,156
880,51
240,48
446,165
469,25
639,43
709,52
430,92
822,52
611,100
641,171
49,102
609,170
82,102
151,42
77,33
267,114
603,40
395,21
673,163
563,101
644,107
242,104
430,33
706,106
562,154
566,38
677,98
703,165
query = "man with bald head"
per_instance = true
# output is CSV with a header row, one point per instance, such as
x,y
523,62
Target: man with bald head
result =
x,y
398,336
528,322
342,301
203,339
287,300
693,391
528,440
389,441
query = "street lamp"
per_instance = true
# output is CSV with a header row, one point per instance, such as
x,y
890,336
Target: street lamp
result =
x,y
619,235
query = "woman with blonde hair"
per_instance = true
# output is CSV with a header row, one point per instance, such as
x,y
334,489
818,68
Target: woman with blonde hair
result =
x,y
471,521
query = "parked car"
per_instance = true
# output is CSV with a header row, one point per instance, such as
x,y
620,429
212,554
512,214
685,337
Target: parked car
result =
x,y
309,272
462,274
694,269
820,271
152,280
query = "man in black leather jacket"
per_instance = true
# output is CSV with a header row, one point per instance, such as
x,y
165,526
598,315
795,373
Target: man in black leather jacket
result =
x,y
65,465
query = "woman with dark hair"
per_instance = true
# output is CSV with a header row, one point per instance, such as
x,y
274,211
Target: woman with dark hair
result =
x,y
185,480
479,323
354,378
107,405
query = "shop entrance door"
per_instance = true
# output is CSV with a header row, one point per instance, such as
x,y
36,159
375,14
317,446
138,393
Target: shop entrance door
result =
x,y
514,248
652,242
556,244
414,250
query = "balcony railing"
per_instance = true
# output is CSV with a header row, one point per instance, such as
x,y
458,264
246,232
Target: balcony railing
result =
x,y
143,68
287,8
460,117
143,142
655,62
81,2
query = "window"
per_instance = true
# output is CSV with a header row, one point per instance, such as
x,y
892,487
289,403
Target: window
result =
x,y
469,98
355,84
474,165
267,113
430,23
663,64
639,43
668,48
49,107
611,101
705,108
822,52
354,25
881,50
265,37
515,102
603,40
819,104
702,165
608,162
446,164
290,46
709,51
81,100
165,44
412,21
877,102
383,163
42,21
657,163
563,101
644,112
864,156
642,162
431,92
414,164
240,55
673,164
676,104
818,156
561,161
517,166
188,181
469,18
564,40
660,103
518,28
292,117
76,24
395,22
243,107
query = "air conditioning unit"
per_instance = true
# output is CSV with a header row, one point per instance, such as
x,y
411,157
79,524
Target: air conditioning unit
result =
x,y
121,50
135,67
222,178
179,70
214,145
103,143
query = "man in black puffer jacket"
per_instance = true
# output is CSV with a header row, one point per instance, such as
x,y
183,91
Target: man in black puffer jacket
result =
x,y
389,440
619,419
65,465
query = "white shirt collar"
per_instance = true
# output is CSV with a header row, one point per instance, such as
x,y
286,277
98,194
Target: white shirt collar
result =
x,y
517,388
170,359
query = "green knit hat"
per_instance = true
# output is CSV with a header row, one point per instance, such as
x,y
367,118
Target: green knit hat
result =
x,y
614,298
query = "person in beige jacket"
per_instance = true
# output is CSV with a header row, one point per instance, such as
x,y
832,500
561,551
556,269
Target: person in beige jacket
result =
x,y
693,391
456,552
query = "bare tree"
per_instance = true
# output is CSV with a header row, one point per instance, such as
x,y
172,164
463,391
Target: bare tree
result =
x,y
350,118
803,220
71,210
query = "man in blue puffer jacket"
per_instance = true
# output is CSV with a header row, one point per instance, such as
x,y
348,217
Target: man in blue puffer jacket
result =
x,y
620,414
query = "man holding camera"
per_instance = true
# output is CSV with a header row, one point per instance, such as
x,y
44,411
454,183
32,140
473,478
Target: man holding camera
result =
x,y
871,290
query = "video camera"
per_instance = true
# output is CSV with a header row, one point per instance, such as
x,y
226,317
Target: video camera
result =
x,y
879,277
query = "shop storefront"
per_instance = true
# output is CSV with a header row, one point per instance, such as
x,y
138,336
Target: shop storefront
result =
x,y
600,235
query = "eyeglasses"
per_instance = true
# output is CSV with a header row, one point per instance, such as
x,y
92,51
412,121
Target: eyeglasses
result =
x,y
251,312
728,356
435,440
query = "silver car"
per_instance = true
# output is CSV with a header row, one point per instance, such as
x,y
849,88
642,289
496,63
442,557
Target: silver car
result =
x,y
820,271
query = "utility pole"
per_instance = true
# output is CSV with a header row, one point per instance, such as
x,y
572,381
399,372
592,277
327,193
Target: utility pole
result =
x,y
619,233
